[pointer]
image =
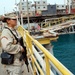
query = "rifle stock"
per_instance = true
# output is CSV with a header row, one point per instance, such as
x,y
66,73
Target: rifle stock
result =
x,y
24,54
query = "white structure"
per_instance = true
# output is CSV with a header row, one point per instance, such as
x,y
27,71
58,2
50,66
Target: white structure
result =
x,y
69,5
23,8
41,5
59,7
38,6
73,4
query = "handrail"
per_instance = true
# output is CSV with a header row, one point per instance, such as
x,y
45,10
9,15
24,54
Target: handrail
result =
x,y
48,56
57,21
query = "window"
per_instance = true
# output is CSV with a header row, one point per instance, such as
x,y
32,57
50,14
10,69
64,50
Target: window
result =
x,y
51,7
38,7
44,2
62,6
44,7
57,6
22,3
38,2
28,8
22,8
28,2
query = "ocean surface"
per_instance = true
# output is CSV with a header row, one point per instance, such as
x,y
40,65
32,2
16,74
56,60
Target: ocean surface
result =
x,y
64,50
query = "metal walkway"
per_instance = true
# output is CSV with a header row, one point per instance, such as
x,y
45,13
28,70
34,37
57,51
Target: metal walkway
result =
x,y
63,28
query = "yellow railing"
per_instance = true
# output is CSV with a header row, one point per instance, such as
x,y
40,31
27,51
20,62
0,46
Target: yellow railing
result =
x,y
48,56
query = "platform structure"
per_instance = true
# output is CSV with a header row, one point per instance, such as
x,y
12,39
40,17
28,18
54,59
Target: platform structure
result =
x,y
39,54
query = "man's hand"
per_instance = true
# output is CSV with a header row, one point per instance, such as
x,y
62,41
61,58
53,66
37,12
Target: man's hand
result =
x,y
22,49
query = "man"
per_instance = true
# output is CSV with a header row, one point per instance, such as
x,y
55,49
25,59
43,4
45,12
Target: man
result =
x,y
10,45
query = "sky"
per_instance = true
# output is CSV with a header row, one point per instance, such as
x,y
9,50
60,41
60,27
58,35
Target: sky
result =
x,y
7,6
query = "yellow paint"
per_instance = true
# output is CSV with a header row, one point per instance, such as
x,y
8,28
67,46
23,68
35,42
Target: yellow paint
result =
x,y
46,40
47,65
48,56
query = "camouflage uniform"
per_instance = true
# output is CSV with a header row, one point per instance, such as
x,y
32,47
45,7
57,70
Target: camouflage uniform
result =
x,y
9,45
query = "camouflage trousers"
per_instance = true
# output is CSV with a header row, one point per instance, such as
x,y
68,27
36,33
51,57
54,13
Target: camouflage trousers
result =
x,y
15,70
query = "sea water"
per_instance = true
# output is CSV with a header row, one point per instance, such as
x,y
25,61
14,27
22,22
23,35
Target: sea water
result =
x,y
64,50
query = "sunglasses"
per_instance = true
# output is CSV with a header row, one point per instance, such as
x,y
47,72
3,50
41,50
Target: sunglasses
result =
x,y
11,19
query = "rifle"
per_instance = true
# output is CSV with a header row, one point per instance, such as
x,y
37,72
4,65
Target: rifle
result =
x,y
24,54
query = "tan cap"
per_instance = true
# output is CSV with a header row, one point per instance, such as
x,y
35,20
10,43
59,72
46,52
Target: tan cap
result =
x,y
4,18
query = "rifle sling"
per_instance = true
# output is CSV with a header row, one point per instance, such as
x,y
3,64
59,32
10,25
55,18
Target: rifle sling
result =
x,y
13,34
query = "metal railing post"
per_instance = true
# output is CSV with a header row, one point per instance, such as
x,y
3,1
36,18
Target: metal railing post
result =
x,y
29,44
47,65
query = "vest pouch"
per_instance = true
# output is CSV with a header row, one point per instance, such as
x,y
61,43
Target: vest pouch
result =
x,y
7,58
